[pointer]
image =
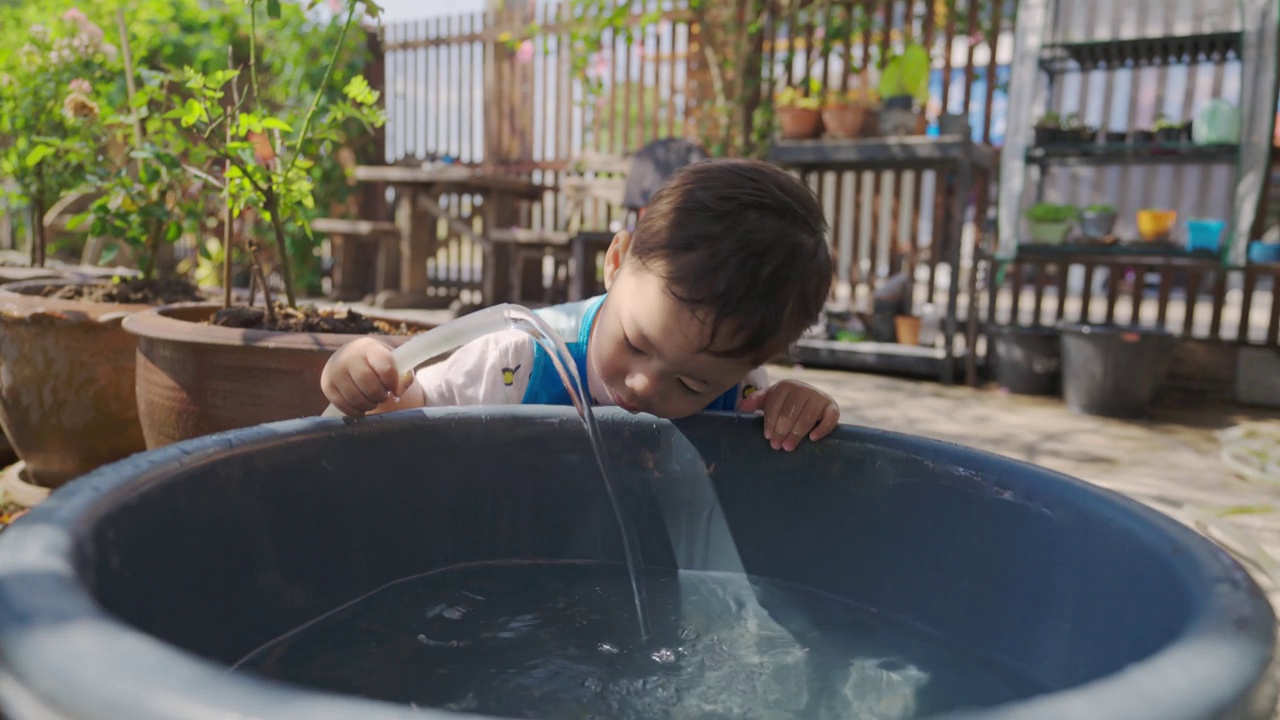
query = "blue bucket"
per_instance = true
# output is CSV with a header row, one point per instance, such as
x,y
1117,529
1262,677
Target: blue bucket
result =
x,y
1260,252
1205,234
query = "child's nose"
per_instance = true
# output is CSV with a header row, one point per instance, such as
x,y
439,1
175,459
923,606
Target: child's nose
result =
x,y
639,384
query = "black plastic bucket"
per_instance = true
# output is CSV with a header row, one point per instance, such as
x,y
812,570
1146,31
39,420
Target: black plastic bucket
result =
x,y
128,592
1113,371
1027,359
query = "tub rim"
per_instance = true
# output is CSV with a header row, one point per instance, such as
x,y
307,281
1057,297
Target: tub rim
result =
x,y
1222,665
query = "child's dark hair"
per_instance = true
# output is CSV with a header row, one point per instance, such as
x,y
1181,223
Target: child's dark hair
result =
x,y
744,242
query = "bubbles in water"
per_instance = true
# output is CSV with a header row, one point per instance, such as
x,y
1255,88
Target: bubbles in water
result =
x,y
664,656
545,644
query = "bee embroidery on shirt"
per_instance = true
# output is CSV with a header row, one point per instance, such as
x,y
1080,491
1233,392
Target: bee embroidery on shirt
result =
x,y
509,375
748,391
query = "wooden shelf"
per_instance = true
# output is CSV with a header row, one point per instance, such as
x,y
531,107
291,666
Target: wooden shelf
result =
x,y
912,151
1141,52
868,356
1129,154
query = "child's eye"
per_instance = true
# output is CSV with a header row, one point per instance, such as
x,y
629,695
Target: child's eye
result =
x,y
631,346
685,386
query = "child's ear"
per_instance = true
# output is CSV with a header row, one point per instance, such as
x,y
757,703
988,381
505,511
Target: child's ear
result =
x,y
614,256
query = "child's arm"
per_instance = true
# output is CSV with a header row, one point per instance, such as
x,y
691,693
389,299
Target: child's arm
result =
x,y
792,410
493,370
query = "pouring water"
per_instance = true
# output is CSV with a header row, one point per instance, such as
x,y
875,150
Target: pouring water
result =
x,y
452,335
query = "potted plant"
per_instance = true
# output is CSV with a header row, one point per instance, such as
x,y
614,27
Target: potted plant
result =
x,y
845,112
206,367
1167,131
51,125
67,396
1076,131
1098,220
1049,224
904,89
1048,129
799,115
1115,137
1142,136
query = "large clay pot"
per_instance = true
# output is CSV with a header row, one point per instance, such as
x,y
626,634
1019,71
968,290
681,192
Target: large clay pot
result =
x,y
195,379
66,382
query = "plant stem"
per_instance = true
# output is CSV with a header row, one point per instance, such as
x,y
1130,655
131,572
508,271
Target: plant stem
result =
x,y
227,219
324,83
129,84
152,260
277,227
262,282
253,52
37,227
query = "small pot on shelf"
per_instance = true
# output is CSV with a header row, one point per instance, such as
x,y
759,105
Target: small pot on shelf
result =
x,y
1050,224
899,116
797,123
1097,221
1154,224
1142,137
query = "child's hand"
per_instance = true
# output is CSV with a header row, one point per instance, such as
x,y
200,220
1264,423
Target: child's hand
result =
x,y
792,410
361,376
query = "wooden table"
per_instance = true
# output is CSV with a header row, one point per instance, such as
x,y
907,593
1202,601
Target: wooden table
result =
x,y
418,214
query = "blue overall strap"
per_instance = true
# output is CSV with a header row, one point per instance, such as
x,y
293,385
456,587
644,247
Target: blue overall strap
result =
x,y
728,402
545,387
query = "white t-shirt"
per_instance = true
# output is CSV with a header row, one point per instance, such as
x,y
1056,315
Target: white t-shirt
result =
x,y
494,370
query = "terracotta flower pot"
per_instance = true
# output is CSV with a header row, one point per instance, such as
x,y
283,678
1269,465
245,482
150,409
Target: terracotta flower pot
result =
x,y
799,123
845,121
66,382
907,328
196,379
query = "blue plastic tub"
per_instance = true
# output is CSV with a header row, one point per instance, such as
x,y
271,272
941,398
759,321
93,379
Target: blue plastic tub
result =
x,y
128,592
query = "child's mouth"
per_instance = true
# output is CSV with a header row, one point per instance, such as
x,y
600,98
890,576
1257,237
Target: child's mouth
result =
x,y
624,404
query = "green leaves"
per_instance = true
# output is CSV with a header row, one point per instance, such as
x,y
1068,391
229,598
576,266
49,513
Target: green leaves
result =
x,y
38,153
359,91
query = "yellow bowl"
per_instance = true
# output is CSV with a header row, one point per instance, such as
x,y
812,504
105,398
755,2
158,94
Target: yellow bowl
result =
x,y
1155,224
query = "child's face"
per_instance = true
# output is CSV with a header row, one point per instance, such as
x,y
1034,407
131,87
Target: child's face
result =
x,y
648,348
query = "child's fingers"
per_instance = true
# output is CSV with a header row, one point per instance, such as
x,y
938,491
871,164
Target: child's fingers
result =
x,y
348,400
383,364
830,419
773,410
369,384
785,414
808,416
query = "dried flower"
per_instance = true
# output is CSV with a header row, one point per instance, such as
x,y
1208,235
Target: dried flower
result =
x,y
78,106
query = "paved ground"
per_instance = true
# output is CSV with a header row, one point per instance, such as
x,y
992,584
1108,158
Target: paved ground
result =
x,y
1169,463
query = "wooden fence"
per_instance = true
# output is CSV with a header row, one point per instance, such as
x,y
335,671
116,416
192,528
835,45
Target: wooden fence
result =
x,y
466,88
476,90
